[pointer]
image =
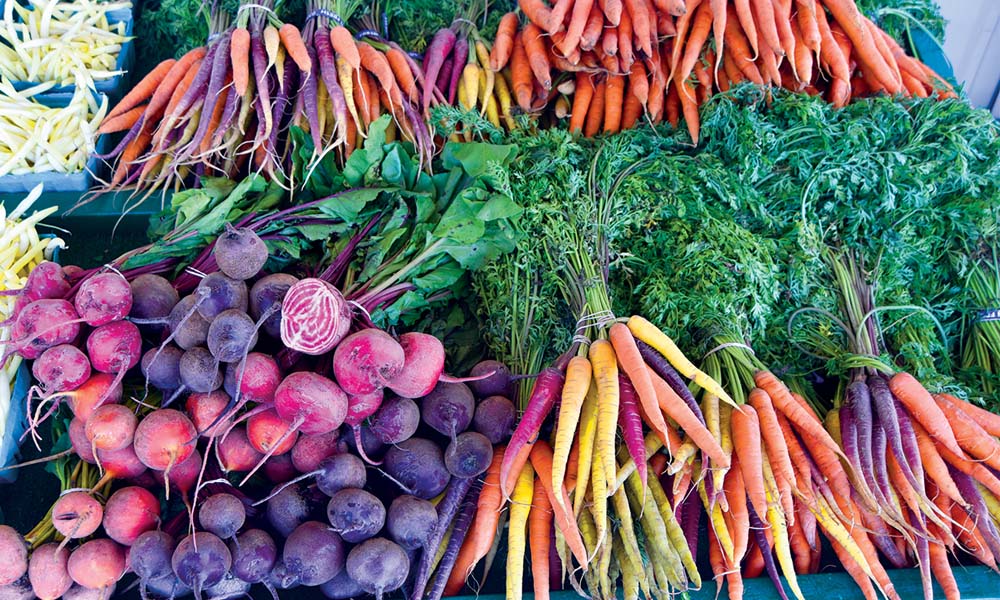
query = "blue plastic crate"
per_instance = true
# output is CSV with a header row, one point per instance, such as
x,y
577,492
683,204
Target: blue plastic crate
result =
x,y
113,87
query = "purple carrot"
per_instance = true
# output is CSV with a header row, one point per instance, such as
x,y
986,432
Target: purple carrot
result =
x,y
460,56
444,76
197,88
282,100
446,509
861,399
220,70
328,70
923,553
439,48
310,99
462,523
977,509
133,133
882,538
757,526
850,426
886,410
548,387
555,563
229,111
261,74
662,367
908,438
881,470
691,521
631,425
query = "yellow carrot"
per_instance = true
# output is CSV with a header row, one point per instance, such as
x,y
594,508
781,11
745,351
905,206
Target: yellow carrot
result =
x,y
779,531
602,358
649,333
599,499
483,54
588,431
520,507
674,531
345,75
630,578
626,527
505,100
574,392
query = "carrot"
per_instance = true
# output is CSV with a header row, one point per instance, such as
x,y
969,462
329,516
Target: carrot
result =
x,y
401,71
534,46
640,25
784,401
585,443
602,357
746,442
738,47
630,423
701,27
520,508
503,43
520,71
582,97
735,492
638,86
846,13
129,155
539,530
344,45
213,125
679,41
674,407
595,115
657,89
774,441
986,419
970,436
537,12
541,462
592,29
803,58
291,38
609,43
484,527
970,537
574,392
767,28
942,570
239,55
626,350
121,122
744,14
703,75
142,90
854,569
624,31
560,10
806,18
769,67
719,15
613,11
924,410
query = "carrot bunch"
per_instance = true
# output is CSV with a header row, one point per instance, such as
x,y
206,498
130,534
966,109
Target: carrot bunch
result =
x,y
622,61
227,108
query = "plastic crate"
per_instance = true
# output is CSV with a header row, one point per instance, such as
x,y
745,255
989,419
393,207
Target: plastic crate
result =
x,y
113,87
78,182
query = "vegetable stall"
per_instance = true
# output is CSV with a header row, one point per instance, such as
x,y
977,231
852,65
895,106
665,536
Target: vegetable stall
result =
x,y
637,298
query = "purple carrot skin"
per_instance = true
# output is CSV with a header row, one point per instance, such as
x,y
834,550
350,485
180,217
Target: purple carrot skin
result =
x,y
881,538
282,100
879,467
885,407
850,434
662,367
262,75
460,55
446,509
229,112
310,97
220,68
197,88
911,450
547,388
691,521
133,133
977,509
862,406
328,70
462,523
923,554
631,425
443,79
439,48
758,527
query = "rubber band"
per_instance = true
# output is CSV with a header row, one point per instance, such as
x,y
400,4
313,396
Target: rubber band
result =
x,y
368,34
195,272
325,12
988,314
729,345
385,25
252,6
580,339
415,55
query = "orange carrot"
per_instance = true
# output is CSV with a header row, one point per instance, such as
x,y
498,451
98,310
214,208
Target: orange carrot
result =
x,y
360,96
609,43
592,29
582,97
942,571
846,13
767,29
503,45
638,83
121,122
673,8
673,107
753,564
701,27
577,24
986,419
665,25
239,56
344,45
613,11
534,46
746,444
674,407
640,25
402,72
539,533
483,530
657,88
738,47
142,90
970,537
743,13
541,461
783,23
703,73
624,30
213,125
719,14
291,39
679,41
970,435
521,75
735,491
769,67
595,112
784,401
803,58
129,154
806,18
923,409
689,106
614,101
560,10
854,569
537,12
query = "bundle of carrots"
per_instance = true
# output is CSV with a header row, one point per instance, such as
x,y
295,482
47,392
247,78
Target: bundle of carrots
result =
x,y
227,108
663,58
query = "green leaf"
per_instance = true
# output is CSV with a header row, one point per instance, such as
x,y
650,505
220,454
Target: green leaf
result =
x,y
440,278
460,223
499,206
348,205
475,158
